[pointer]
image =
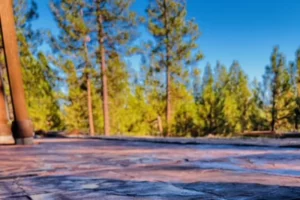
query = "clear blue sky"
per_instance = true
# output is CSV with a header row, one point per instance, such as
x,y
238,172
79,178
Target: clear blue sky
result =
x,y
243,30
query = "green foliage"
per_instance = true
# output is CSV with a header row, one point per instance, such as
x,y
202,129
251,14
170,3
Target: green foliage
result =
x,y
237,98
167,94
75,117
174,48
75,102
119,95
80,25
221,79
73,43
296,84
119,25
196,83
280,92
258,116
116,29
41,99
207,104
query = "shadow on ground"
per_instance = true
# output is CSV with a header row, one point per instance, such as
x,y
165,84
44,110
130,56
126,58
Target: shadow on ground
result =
x,y
65,187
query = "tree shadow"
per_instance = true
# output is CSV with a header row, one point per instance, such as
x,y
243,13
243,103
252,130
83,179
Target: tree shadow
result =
x,y
156,144
80,188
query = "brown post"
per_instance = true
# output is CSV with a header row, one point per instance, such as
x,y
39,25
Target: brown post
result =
x,y
22,126
5,131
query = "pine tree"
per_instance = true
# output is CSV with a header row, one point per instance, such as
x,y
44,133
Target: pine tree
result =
x,y
208,101
119,93
230,110
186,120
154,94
279,91
42,99
74,100
72,19
196,81
139,122
257,117
297,90
116,28
243,97
175,43
221,78
184,110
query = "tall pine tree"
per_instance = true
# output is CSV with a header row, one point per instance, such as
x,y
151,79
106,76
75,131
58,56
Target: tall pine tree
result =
x,y
73,43
208,101
297,90
116,28
279,92
175,42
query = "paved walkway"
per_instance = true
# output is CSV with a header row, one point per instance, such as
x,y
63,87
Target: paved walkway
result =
x,y
110,169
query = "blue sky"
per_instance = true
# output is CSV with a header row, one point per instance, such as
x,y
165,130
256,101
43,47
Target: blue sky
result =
x,y
243,30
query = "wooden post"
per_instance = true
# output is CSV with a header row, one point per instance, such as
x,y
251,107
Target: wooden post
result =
x,y
5,131
22,126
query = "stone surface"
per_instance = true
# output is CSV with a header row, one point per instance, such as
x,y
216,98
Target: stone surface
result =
x,y
119,169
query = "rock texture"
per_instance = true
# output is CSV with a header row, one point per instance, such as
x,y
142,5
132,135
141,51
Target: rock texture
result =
x,y
123,169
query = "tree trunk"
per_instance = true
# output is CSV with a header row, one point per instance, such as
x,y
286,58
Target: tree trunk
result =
x,y
160,127
273,122
90,107
274,101
104,75
297,112
296,118
169,102
89,92
168,73
296,122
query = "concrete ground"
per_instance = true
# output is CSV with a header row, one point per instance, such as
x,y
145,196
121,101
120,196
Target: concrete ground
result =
x,y
57,169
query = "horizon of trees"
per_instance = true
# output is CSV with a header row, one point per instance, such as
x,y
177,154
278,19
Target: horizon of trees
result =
x,y
86,84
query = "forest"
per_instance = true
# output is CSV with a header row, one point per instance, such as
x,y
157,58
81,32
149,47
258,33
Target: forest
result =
x,y
87,83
